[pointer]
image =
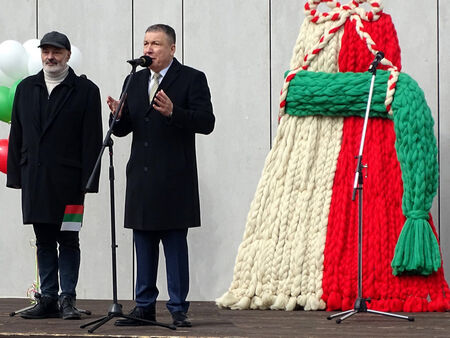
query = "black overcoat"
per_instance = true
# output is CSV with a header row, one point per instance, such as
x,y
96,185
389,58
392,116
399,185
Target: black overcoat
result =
x,y
162,184
51,161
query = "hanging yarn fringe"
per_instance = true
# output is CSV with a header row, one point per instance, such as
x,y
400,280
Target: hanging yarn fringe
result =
x,y
288,216
299,247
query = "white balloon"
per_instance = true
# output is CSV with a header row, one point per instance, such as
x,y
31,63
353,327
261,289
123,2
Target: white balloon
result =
x,y
75,59
5,80
13,59
34,56
34,64
31,46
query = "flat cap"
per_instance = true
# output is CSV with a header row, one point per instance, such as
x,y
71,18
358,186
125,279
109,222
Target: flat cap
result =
x,y
55,39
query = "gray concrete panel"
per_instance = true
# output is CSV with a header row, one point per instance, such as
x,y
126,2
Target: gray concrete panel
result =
x,y
18,20
286,18
444,135
229,41
102,32
417,33
152,12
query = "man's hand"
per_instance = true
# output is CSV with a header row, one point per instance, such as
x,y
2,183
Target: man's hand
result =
x,y
163,104
113,104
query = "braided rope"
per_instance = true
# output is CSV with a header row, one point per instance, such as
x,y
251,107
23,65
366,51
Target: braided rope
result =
x,y
337,10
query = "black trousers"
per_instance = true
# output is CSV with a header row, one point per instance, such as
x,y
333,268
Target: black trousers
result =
x,y
67,262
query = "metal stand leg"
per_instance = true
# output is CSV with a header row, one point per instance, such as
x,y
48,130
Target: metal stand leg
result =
x,y
361,306
115,310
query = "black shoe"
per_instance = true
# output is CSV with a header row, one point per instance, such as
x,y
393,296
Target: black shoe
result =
x,y
46,307
68,309
180,319
138,312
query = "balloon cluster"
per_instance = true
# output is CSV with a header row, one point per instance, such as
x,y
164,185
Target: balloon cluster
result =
x,y
17,61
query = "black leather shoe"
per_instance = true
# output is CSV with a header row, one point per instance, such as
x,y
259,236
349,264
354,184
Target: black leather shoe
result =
x,y
180,319
46,307
138,312
68,309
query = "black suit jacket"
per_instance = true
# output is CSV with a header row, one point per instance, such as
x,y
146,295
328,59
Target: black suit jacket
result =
x,y
51,160
162,184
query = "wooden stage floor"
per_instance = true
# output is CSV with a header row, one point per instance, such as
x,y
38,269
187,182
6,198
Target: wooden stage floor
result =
x,y
210,321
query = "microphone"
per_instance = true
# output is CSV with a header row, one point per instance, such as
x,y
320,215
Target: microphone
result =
x,y
378,57
143,61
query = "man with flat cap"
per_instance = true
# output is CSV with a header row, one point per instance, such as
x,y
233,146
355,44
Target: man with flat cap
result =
x,y
55,138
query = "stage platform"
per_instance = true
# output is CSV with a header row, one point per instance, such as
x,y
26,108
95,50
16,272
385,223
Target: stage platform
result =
x,y
210,321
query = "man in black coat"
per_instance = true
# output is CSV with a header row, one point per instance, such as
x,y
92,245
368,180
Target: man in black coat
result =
x,y
56,135
162,199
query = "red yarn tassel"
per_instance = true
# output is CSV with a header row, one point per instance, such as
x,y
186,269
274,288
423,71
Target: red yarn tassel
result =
x,y
334,302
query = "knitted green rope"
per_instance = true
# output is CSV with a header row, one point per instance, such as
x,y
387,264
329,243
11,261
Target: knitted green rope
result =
x,y
336,94
345,94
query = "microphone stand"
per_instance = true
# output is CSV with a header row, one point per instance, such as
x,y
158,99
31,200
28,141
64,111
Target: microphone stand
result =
x,y
361,303
115,310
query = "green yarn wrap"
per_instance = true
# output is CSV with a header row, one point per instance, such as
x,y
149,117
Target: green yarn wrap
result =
x,y
345,94
336,94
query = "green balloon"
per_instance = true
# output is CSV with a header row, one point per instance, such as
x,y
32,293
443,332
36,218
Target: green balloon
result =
x,y
12,91
5,105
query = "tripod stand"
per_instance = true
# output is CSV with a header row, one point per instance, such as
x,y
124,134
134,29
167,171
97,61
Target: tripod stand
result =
x,y
361,303
115,310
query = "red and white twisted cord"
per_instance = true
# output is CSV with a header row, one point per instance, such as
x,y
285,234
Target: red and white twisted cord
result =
x,y
371,45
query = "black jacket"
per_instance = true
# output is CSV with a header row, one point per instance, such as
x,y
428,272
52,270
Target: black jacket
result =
x,y
162,185
51,160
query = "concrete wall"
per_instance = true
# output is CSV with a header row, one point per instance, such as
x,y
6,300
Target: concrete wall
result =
x,y
244,47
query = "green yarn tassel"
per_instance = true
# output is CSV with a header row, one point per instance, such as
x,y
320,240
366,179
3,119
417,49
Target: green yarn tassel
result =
x,y
417,251
346,94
